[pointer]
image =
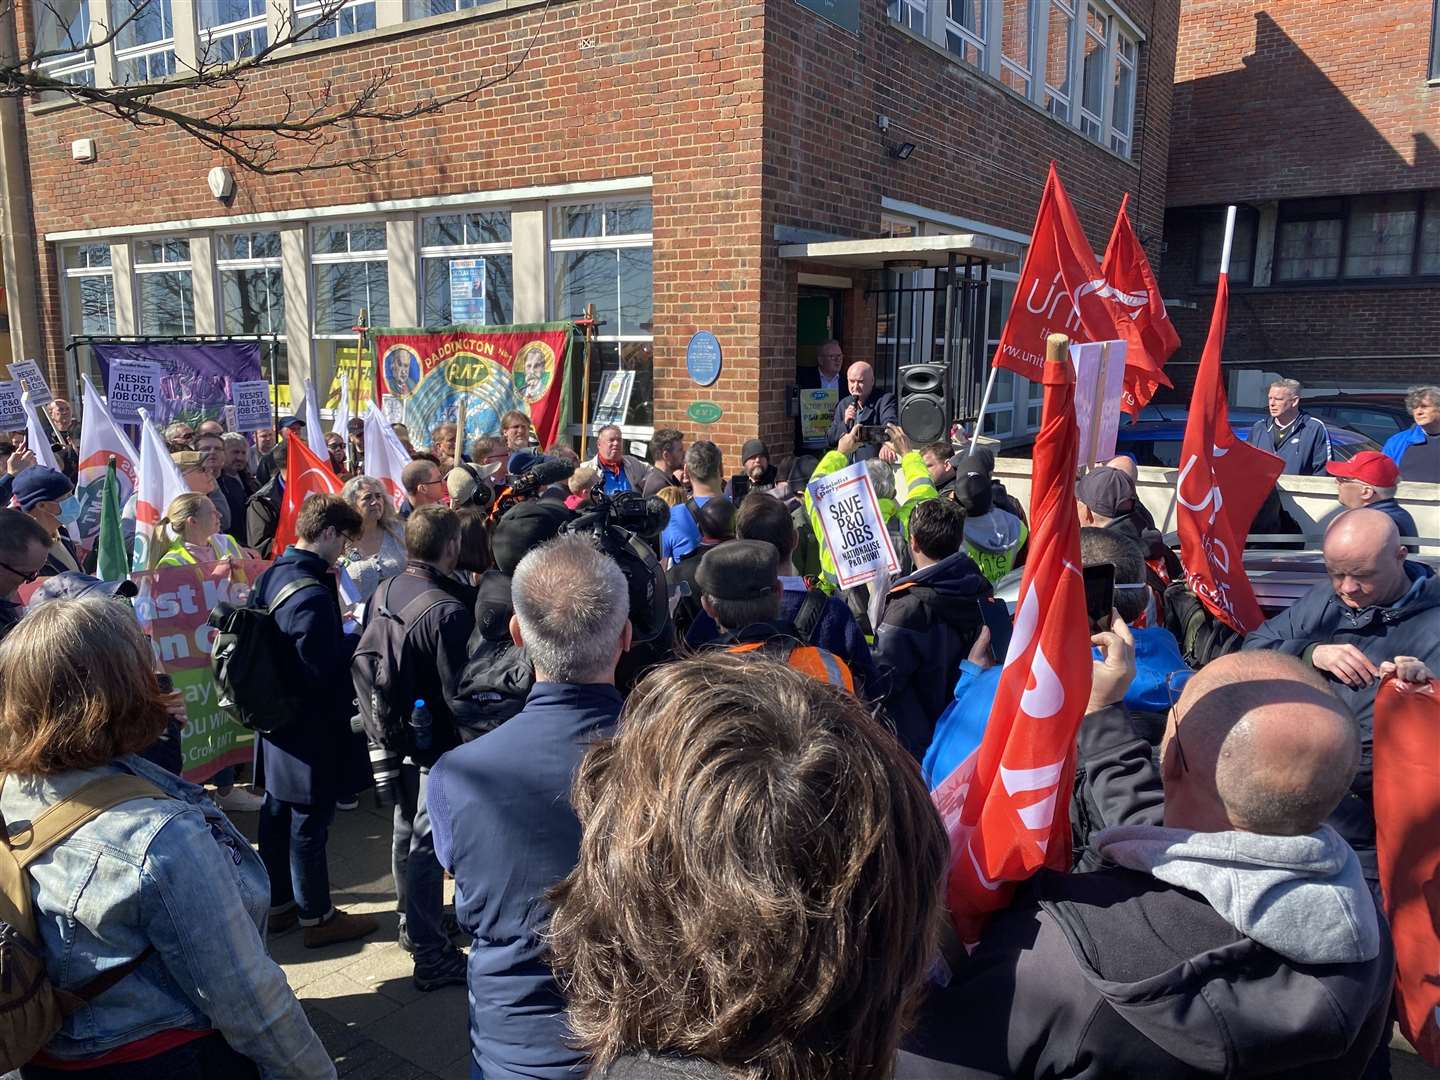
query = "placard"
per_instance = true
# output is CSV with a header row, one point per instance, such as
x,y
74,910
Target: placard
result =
x,y
12,415
132,386
28,374
467,291
817,413
1099,383
613,401
703,358
852,526
252,405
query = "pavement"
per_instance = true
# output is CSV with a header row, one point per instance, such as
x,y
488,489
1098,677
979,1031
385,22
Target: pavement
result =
x,y
359,996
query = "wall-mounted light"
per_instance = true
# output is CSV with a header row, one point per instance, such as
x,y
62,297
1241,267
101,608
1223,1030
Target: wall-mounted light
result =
x,y
222,182
901,151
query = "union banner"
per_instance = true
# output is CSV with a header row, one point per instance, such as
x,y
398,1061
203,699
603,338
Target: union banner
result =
x,y
495,370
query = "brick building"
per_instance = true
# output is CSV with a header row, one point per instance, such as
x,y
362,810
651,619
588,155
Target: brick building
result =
x,y
685,166
1321,122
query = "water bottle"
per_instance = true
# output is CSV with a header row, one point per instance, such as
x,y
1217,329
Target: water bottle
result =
x,y
421,725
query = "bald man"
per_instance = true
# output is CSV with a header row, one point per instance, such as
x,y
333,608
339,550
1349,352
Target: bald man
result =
x,y
864,407
1230,933
1379,612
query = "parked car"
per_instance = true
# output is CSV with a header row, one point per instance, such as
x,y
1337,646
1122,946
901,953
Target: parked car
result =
x,y
1372,415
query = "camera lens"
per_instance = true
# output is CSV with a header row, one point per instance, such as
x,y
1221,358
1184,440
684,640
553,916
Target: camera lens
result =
x,y
385,768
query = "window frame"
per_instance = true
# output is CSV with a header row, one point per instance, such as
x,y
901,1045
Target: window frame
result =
x,y
349,256
207,35
971,38
80,61
72,316
304,12
1237,257
142,52
482,249
140,270
264,262
1288,210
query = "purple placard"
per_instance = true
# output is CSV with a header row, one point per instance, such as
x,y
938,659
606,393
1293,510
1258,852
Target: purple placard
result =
x,y
196,385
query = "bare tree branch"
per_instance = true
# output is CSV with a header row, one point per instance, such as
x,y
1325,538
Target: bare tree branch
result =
x,y
260,136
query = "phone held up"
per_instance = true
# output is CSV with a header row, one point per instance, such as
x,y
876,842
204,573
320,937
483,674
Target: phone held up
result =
x,y
1099,594
997,617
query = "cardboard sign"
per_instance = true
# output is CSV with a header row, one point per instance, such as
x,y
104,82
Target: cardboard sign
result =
x,y
132,386
252,405
817,412
1099,383
613,401
12,415
28,374
852,526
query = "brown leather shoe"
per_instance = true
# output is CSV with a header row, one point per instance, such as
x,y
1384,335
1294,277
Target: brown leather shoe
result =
x,y
284,922
341,926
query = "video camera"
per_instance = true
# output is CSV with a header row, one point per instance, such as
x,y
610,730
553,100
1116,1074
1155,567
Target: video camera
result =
x,y
621,524
531,484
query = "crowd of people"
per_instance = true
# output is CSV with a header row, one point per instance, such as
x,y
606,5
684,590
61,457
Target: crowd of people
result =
x,y
682,778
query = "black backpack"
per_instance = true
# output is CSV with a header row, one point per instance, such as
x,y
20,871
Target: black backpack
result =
x,y
1201,636
384,686
253,661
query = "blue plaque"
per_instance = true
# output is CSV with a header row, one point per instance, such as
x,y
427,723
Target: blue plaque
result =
x,y
702,358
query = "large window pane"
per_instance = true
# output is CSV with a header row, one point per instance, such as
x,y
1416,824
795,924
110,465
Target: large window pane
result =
x,y
1122,107
96,298
1430,237
253,301
499,290
588,277
636,292
1057,59
637,356
1015,62
141,22
166,301
1380,241
1308,250
343,290
1242,250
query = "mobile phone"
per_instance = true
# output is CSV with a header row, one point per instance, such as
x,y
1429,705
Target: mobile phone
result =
x,y
871,433
739,487
1100,593
997,617
167,684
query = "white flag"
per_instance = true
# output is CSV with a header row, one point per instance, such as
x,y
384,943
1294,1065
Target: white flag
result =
x,y
101,438
314,433
159,482
385,456
37,438
341,422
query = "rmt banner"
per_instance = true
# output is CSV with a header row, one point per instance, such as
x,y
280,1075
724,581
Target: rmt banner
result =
x,y
854,531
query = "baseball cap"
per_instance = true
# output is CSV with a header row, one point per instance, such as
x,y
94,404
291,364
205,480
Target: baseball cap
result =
x,y
38,484
291,421
739,570
1369,467
1107,492
754,448
522,461
72,586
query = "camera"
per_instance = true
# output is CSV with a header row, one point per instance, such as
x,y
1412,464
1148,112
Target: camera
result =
x,y
621,524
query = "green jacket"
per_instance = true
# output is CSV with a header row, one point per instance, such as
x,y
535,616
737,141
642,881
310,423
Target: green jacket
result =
x,y
918,488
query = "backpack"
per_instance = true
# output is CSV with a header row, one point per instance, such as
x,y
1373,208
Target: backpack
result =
x,y
1201,636
32,1008
383,686
807,619
252,660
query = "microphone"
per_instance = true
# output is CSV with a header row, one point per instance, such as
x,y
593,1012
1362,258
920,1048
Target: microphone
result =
x,y
547,472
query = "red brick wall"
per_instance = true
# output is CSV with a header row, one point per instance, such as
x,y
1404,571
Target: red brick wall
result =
x,y
1287,98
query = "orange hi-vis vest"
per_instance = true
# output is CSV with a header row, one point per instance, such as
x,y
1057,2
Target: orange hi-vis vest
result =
x,y
814,661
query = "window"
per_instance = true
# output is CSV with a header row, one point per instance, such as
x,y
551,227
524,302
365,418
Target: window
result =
x,y
421,9
1015,37
1380,236
1094,69
62,31
600,253
89,289
351,276
1430,235
1308,238
144,40
1058,44
1122,100
965,30
472,251
911,14
354,18
1000,413
164,288
1242,248
231,29
1435,42
252,289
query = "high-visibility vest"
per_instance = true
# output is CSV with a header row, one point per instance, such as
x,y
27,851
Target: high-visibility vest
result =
x,y
814,661
220,544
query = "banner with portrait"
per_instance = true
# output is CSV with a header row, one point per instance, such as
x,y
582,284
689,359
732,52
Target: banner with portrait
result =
x,y
196,379
494,369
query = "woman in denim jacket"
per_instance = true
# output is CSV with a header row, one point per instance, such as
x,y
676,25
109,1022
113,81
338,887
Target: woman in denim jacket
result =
x,y
77,698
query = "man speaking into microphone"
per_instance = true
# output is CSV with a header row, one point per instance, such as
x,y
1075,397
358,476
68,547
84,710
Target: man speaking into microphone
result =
x,y
863,407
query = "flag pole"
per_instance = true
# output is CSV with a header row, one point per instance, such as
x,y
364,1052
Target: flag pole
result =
x,y
984,404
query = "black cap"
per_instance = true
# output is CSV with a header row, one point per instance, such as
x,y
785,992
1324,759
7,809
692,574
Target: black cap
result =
x,y
739,570
1108,492
525,526
753,448
972,492
72,586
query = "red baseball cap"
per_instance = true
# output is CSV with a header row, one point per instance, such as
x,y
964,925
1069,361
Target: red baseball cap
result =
x,y
1369,467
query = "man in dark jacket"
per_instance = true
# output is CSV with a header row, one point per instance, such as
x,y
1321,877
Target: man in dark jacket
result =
x,y
501,811
262,514
1231,934
235,483
929,620
863,407
24,551
667,450
438,622
1367,481
305,765
1297,437
1378,612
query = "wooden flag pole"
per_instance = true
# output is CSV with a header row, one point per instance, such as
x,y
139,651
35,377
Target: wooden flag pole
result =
x,y
459,433
585,382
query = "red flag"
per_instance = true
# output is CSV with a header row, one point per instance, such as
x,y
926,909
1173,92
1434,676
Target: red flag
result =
x,y
305,475
1131,284
1223,482
1060,291
1006,806
1407,805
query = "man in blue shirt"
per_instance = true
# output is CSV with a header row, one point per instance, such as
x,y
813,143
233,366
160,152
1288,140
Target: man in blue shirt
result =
x,y
1294,436
500,806
706,472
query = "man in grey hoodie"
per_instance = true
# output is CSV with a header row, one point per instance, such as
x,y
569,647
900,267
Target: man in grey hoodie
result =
x,y
1231,932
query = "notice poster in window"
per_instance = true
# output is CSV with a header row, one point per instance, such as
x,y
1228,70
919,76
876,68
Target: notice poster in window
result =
x,y
817,412
467,291
613,401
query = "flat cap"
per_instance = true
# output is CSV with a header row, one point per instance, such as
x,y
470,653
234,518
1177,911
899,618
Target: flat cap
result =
x,y
739,570
1107,492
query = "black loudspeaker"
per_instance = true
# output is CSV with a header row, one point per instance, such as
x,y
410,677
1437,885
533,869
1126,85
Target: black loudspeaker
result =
x,y
924,402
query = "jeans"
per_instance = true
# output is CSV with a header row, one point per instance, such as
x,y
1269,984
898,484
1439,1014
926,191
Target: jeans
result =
x,y
292,846
210,1057
419,881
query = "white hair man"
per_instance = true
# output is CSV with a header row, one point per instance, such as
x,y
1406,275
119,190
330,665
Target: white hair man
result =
x,y
1295,436
500,808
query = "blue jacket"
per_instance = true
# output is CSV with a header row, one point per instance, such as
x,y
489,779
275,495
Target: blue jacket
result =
x,y
1401,441
176,875
500,812
962,725
682,534
1305,451
1392,509
315,759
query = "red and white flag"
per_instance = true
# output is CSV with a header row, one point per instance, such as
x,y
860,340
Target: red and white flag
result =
x,y
1133,287
101,440
1222,485
1006,807
385,455
305,475
159,482
1061,291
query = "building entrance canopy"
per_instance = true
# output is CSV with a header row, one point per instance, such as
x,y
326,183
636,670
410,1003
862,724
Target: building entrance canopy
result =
x,y
913,252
